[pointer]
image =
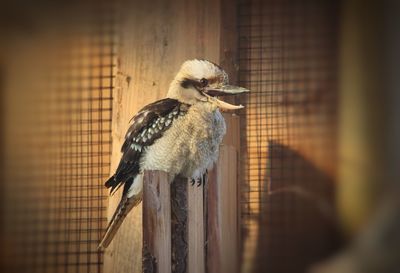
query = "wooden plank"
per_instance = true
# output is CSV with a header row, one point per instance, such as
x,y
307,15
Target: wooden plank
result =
x,y
222,240
156,223
227,182
232,138
213,236
222,201
196,231
228,39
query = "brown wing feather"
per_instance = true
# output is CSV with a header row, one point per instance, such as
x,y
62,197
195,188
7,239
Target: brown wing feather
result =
x,y
147,126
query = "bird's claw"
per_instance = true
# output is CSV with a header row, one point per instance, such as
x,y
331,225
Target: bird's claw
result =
x,y
198,181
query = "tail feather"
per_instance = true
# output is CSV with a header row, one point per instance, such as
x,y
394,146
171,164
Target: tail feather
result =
x,y
109,183
113,184
130,198
124,207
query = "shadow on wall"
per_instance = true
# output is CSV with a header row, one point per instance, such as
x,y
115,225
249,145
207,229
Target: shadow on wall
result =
x,y
297,223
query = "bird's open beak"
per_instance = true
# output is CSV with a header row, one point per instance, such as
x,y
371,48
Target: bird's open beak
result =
x,y
226,90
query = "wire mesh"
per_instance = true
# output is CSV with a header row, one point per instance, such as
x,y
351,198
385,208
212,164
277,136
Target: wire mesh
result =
x,y
58,143
287,58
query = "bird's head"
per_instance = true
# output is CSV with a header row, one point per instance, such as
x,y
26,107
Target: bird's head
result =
x,y
201,80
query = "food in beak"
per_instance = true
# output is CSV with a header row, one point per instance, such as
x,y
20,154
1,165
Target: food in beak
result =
x,y
228,90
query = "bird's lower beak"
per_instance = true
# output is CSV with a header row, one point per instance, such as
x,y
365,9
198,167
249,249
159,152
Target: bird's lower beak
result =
x,y
226,90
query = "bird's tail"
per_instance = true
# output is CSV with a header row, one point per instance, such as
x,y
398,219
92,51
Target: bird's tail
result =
x,y
127,203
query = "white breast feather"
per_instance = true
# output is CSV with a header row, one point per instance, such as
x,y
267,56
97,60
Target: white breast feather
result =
x,y
191,145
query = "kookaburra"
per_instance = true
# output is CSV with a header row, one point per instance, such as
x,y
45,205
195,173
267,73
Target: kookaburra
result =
x,y
180,134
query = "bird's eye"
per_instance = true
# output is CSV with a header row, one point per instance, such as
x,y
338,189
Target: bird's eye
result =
x,y
204,82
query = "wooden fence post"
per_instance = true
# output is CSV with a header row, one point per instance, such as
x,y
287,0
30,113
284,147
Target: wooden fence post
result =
x,y
165,219
156,223
189,228
222,203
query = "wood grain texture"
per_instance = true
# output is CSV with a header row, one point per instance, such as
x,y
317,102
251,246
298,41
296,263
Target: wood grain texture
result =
x,y
222,229
213,236
196,230
232,138
156,222
222,205
228,203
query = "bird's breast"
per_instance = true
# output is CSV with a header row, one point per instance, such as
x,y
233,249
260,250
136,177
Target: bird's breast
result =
x,y
190,145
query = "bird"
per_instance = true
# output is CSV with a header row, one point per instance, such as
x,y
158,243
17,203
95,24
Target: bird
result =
x,y
179,134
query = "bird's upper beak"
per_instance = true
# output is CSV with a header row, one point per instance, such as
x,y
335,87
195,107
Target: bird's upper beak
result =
x,y
227,90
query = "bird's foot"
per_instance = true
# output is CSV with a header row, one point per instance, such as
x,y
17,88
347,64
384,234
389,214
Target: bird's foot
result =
x,y
198,181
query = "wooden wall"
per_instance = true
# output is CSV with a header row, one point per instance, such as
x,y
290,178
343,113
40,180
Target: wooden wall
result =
x,y
156,38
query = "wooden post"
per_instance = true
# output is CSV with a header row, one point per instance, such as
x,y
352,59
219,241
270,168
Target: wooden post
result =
x,y
196,229
222,219
189,228
165,236
156,223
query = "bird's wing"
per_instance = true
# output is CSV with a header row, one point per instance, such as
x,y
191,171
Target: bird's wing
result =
x,y
149,124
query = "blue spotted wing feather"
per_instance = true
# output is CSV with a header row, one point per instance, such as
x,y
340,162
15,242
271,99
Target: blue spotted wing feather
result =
x,y
148,125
